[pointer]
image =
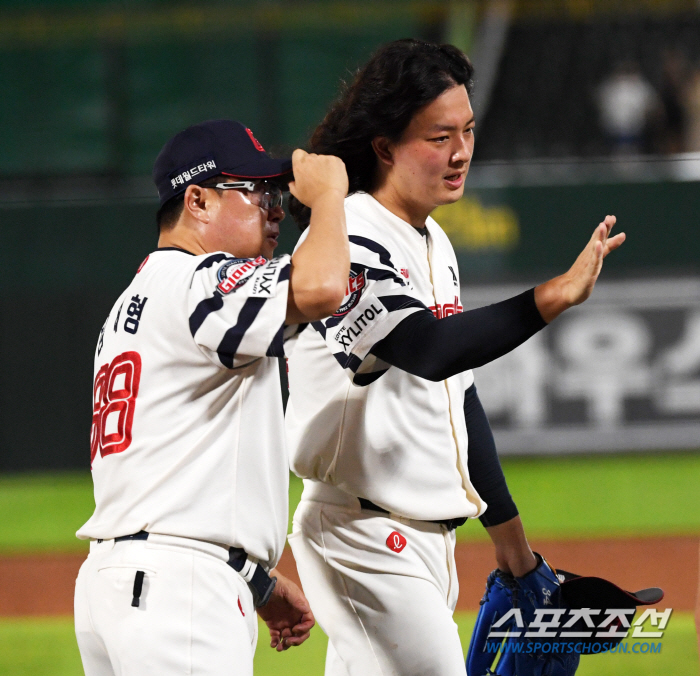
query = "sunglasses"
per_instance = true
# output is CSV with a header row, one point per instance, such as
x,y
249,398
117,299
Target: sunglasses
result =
x,y
264,194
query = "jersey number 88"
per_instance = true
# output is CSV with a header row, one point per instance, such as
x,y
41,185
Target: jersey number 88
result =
x,y
113,402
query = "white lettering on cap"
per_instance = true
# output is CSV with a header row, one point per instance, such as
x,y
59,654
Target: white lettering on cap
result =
x,y
188,174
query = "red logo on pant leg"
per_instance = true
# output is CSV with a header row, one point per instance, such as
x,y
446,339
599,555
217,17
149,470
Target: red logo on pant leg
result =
x,y
396,542
240,607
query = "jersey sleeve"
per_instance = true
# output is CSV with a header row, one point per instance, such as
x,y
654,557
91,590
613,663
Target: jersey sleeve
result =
x,y
238,307
376,300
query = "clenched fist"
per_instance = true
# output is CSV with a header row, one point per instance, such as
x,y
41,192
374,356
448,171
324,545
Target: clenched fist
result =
x,y
316,176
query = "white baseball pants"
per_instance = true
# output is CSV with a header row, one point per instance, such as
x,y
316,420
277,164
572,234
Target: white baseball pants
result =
x,y
383,590
195,613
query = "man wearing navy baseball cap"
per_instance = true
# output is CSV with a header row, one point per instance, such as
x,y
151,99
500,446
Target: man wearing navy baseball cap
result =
x,y
211,148
217,149
187,445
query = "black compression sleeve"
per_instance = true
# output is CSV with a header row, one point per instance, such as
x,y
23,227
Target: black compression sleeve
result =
x,y
436,349
484,468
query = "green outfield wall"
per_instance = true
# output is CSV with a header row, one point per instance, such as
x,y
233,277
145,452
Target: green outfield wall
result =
x,y
69,250
527,231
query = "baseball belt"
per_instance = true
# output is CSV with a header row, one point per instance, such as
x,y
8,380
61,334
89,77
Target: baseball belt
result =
x,y
450,524
259,581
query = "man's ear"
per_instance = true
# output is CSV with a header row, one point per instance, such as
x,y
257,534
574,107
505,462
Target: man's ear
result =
x,y
195,201
383,149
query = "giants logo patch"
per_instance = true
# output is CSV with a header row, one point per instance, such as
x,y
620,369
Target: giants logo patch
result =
x,y
235,273
352,294
396,542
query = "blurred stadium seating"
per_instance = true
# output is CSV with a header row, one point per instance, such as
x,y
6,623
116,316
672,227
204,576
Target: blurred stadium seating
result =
x,y
544,102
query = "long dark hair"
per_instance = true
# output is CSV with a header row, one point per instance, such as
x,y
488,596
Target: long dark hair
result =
x,y
398,80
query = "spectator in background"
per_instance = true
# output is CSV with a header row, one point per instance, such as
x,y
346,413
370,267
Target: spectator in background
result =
x,y
672,116
691,100
627,103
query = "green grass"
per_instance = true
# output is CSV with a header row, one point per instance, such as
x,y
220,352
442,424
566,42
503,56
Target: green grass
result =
x,y
603,496
42,512
594,496
559,497
38,647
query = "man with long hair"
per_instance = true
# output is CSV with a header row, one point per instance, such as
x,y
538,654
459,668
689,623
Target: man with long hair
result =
x,y
384,422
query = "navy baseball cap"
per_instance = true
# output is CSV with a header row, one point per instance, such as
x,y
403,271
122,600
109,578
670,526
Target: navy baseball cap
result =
x,y
210,149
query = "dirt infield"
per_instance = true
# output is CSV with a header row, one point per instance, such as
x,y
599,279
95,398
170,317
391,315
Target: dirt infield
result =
x,y
43,584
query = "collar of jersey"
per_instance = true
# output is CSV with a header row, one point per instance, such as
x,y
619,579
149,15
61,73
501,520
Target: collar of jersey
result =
x,y
404,227
174,248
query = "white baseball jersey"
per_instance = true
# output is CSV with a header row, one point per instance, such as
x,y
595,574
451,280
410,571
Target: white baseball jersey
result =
x,y
187,436
354,422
